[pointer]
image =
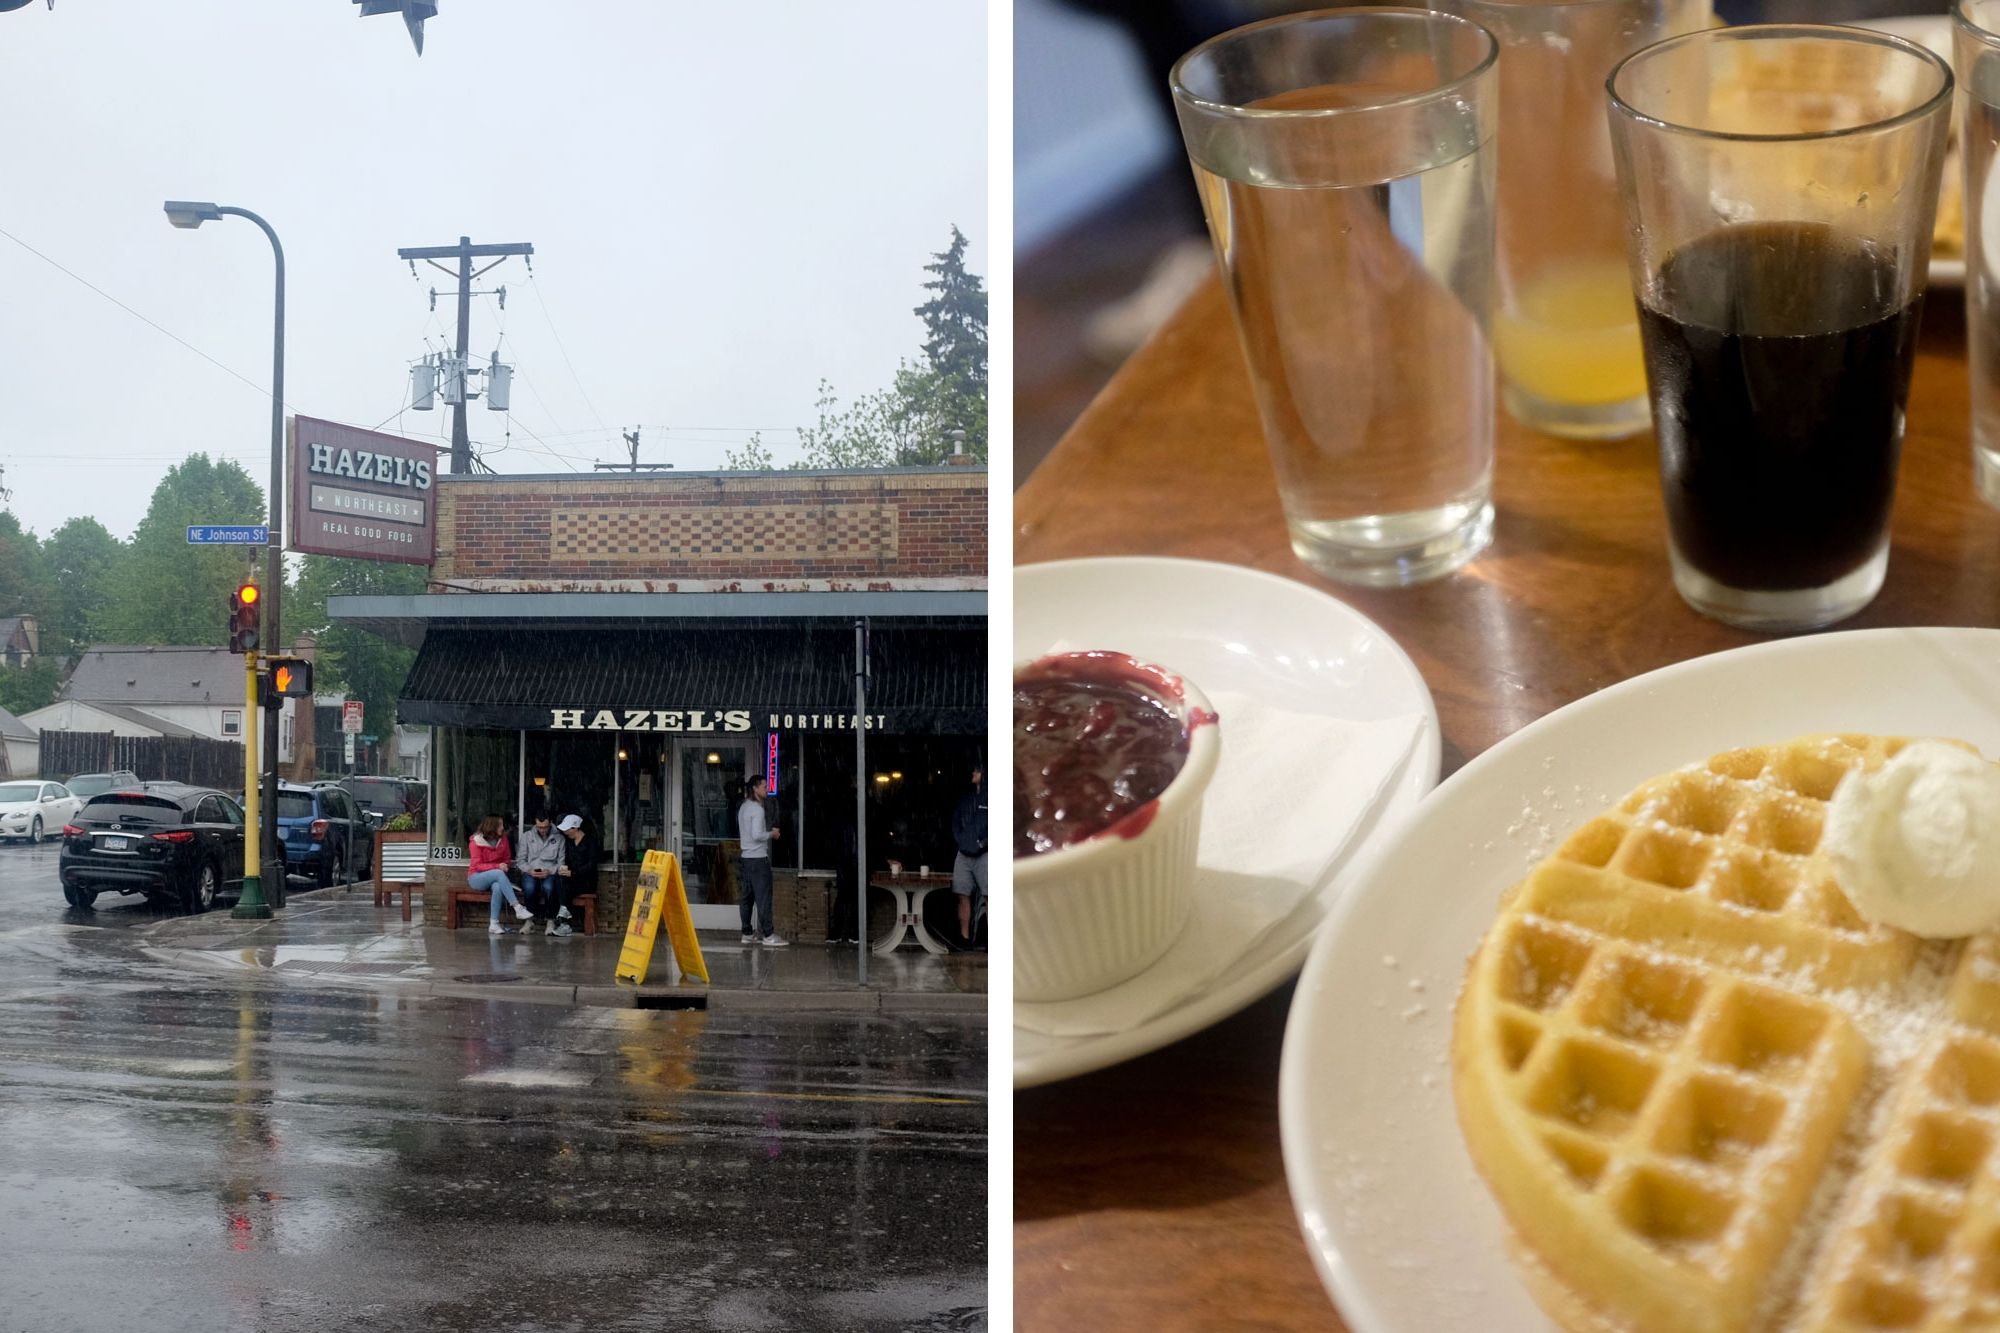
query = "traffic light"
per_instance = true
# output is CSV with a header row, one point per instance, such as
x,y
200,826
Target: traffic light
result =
x,y
288,678
243,612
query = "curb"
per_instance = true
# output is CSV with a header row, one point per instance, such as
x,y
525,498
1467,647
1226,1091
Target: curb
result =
x,y
850,1001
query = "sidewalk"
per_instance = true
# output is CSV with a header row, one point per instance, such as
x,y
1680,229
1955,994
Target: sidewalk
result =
x,y
339,935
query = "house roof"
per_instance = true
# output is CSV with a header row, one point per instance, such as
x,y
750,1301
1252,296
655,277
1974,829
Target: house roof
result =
x,y
141,718
13,728
9,627
119,674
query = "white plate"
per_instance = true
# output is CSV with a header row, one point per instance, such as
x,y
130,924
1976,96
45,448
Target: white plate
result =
x,y
1234,630
1405,1236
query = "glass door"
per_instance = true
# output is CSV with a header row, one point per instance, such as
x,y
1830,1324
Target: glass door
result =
x,y
708,786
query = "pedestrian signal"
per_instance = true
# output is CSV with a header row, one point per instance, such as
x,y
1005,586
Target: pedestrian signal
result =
x,y
243,610
291,677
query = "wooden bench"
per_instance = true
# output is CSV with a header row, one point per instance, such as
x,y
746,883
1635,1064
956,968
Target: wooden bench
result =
x,y
584,905
399,865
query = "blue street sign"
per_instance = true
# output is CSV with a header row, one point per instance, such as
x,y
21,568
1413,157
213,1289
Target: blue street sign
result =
x,y
259,535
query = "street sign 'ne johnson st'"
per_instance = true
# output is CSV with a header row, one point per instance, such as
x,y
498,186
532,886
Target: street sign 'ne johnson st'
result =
x,y
362,494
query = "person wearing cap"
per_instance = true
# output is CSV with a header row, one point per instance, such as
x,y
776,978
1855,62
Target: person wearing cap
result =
x,y
577,874
541,856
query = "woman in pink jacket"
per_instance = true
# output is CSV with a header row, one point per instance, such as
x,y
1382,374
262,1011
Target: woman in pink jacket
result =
x,y
490,857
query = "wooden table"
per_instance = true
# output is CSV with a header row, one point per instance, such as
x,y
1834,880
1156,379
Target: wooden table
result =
x,y
1152,1195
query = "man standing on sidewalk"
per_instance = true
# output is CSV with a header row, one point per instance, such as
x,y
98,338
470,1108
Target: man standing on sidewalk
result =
x,y
755,835
968,872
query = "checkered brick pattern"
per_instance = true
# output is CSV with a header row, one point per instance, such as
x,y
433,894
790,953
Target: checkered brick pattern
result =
x,y
842,531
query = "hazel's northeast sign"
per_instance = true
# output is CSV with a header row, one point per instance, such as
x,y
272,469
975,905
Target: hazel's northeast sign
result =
x,y
362,494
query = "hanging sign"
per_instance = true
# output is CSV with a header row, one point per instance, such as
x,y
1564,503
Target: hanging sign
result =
x,y
660,894
361,494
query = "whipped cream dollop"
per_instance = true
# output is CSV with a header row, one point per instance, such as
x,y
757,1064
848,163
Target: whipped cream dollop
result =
x,y
1916,844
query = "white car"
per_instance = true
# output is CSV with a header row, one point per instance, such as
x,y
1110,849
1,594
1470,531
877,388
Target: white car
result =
x,y
34,810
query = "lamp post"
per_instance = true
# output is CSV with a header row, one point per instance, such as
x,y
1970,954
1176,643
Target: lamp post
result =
x,y
182,213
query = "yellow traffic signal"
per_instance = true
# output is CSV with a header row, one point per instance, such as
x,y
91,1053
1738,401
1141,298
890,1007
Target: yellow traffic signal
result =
x,y
243,637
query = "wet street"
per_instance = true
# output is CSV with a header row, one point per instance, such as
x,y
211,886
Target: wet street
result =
x,y
238,1152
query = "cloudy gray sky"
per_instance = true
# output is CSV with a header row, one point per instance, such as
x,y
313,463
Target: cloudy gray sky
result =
x,y
727,203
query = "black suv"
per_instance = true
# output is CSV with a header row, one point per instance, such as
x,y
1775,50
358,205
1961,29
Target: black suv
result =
x,y
172,842
325,834
383,798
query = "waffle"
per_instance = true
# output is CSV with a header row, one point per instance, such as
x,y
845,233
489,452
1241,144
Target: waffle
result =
x,y
1708,1095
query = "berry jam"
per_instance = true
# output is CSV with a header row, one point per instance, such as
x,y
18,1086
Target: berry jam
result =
x,y
1097,738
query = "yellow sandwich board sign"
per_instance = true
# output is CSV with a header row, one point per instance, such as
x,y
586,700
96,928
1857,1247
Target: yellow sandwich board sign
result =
x,y
661,895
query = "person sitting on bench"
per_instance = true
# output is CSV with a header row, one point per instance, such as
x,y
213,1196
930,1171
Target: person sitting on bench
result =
x,y
488,873
578,872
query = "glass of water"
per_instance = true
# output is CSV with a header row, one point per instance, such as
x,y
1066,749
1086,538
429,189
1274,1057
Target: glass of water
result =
x,y
1976,56
1344,160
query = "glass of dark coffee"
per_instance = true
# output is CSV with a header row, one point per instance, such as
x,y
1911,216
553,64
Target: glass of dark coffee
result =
x,y
1780,184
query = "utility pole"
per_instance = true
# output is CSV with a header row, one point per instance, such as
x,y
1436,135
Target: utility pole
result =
x,y
464,252
632,448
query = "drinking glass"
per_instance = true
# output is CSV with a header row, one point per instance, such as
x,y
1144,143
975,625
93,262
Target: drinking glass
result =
x,y
1780,182
1976,52
1344,161
1565,332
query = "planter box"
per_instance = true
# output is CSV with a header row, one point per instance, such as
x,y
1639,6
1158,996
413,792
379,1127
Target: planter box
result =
x,y
401,859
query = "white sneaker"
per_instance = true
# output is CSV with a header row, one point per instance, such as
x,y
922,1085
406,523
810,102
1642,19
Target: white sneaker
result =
x,y
562,914
549,928
773,942
748,938
497,929
523,913
559,928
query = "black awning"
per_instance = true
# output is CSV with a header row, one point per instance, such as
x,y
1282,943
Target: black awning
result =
x,y
700,678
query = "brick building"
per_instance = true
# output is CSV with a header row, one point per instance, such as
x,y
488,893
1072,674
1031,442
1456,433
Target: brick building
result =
x,y
630,648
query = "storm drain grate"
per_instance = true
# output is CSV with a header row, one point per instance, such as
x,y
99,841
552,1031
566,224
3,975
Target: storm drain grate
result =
x,y
487,978
344,969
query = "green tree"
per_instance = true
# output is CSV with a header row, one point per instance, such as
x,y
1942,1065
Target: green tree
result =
x,y
24,582
754,456
26,690
352,660
82,558
955,319
166,591
913,421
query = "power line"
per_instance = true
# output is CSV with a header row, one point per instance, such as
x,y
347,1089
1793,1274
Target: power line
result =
x,y
535,286
264,389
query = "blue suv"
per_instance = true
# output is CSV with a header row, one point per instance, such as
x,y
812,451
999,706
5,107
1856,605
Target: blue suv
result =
x,y
326,837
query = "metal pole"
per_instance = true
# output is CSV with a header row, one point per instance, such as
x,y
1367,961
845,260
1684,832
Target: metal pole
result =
x,y
274,565
250,904
861,798
461,441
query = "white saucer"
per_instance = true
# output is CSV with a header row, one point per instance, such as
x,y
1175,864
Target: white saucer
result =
x,y
1234,630
1405,1236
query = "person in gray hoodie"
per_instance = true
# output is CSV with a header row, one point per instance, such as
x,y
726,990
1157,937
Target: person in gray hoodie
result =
x,y
541,857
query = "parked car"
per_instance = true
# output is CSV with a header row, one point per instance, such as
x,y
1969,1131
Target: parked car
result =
x,y
86,785
33,809
325,834
167,840
384,797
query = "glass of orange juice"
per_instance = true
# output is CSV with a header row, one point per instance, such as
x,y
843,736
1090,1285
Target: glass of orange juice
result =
x,y
1565,329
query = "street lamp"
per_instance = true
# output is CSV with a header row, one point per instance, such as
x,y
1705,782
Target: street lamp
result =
x,y
186,214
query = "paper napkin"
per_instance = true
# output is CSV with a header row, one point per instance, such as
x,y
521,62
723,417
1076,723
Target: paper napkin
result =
x,y
1290,793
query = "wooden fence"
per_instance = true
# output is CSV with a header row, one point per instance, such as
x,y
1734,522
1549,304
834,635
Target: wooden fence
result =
x,y
193,759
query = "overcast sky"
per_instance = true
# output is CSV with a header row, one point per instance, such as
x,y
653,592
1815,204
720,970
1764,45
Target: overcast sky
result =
x,y
727,203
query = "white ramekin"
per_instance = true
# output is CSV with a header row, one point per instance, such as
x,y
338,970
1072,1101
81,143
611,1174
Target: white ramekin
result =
x,y
1101,911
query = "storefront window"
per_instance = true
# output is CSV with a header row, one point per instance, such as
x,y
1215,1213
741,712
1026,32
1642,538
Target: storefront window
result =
x,y
572,775
476,776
